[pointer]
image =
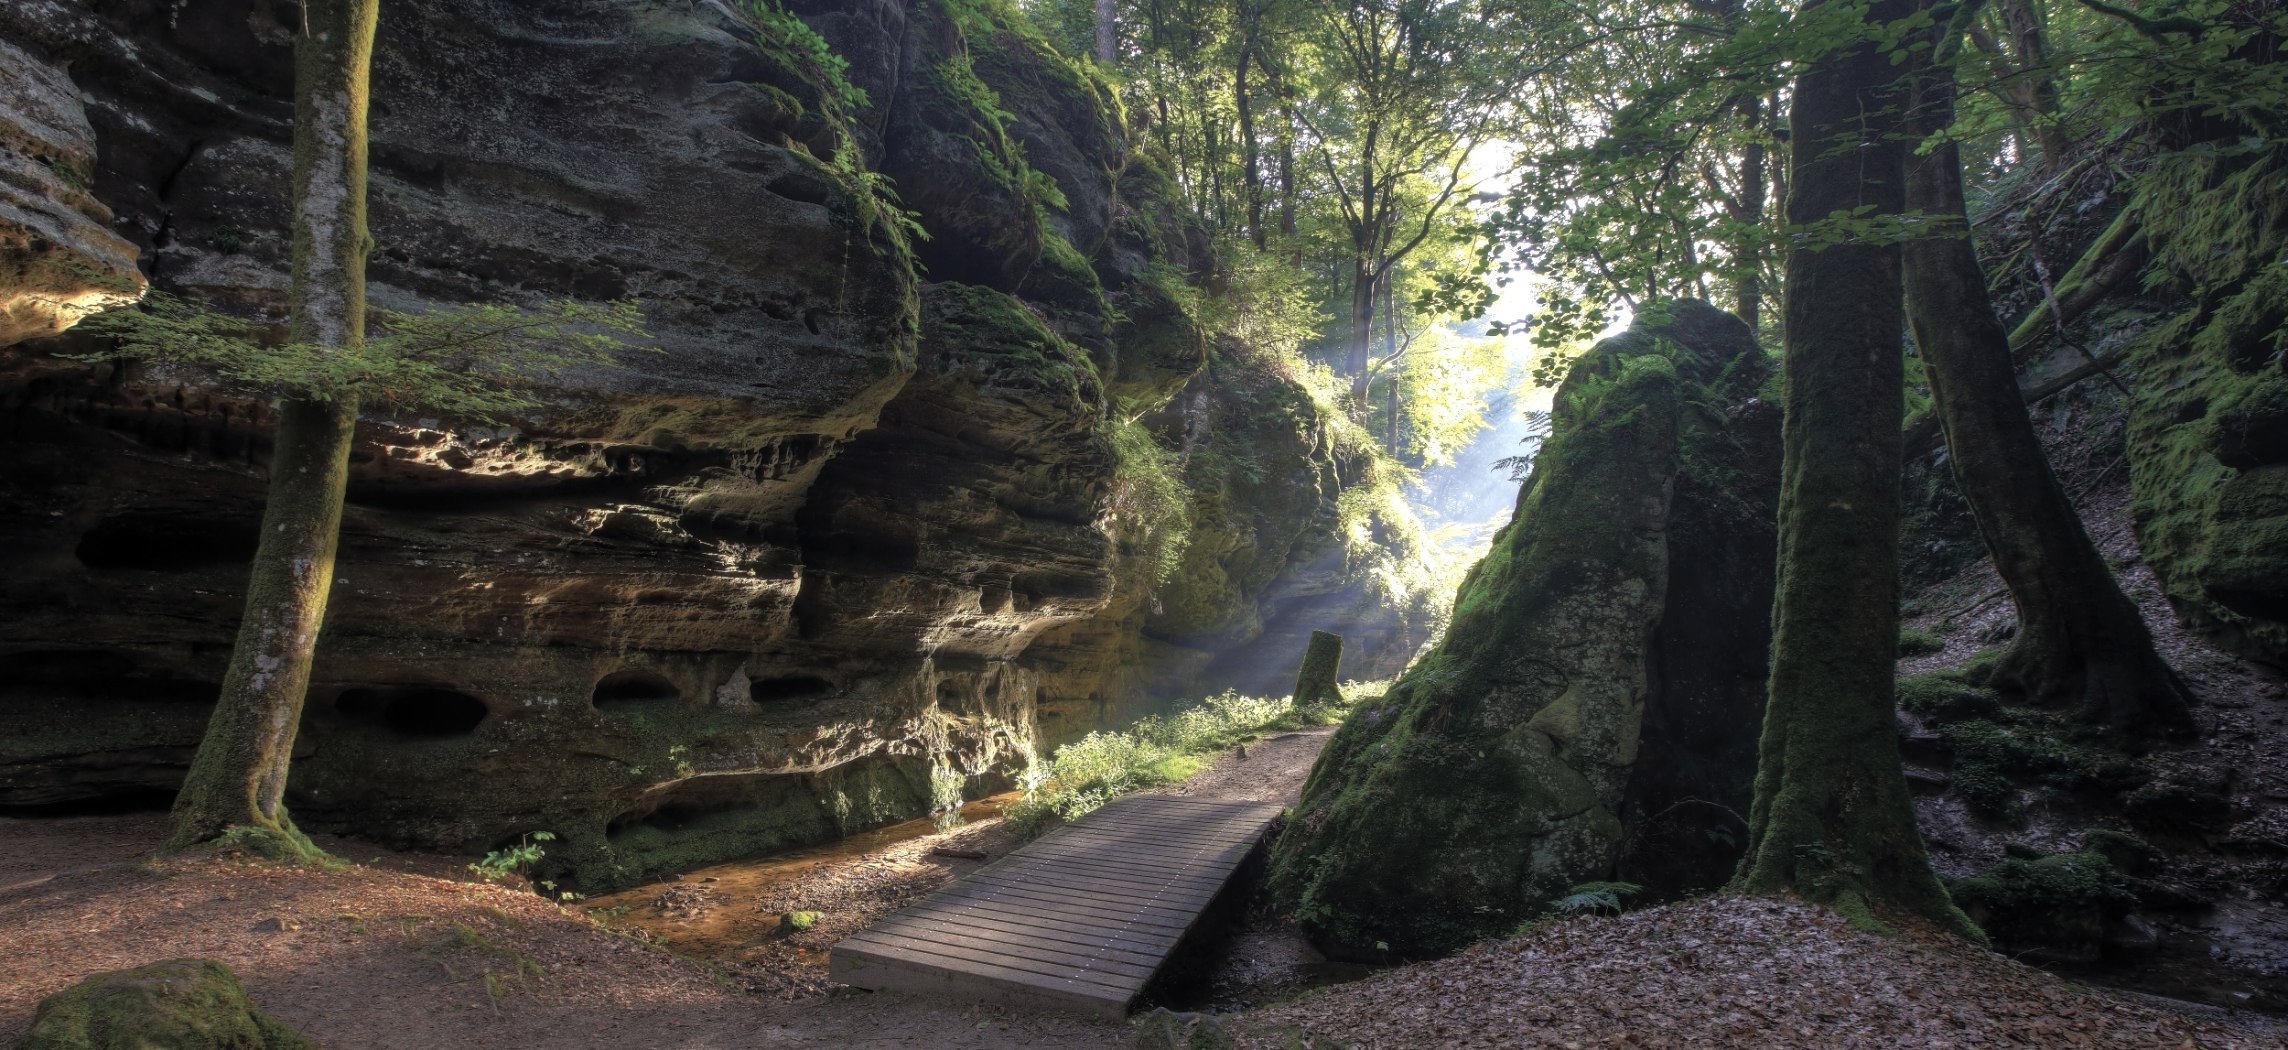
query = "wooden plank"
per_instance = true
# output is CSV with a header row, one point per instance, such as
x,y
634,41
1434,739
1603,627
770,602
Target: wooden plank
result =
x,y
1112,895
1022,953
1075,978
1113,941
892,969
1079,920
1150,916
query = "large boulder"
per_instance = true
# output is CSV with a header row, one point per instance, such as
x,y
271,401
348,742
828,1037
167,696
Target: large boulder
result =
x,y
1593,709
2208,425
183,1004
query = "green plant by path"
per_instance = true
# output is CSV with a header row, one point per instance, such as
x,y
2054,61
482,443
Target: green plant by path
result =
x,y
514,860
1100,767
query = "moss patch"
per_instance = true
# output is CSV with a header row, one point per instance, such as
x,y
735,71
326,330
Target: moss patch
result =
x,y
185,1004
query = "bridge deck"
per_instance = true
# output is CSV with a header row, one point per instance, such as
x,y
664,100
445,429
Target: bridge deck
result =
x,y
1078,920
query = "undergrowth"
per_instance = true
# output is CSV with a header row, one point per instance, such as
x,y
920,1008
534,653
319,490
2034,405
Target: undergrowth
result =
x,y
1161,749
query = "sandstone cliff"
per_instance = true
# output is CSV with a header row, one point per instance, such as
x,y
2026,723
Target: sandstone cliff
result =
x,y
837,549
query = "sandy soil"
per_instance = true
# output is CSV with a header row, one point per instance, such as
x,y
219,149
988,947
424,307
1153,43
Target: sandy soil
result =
x,y
405,950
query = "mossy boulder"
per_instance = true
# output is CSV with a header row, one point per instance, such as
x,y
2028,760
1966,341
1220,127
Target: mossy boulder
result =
x,y
1604,666
2208,427
183,1004
2057,906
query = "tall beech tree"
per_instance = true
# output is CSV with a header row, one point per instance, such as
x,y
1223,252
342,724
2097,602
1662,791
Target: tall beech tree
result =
x,y
239,774
1831,819
2080,641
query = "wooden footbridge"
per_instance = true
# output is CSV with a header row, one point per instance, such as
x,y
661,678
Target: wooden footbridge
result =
x,y
1079,920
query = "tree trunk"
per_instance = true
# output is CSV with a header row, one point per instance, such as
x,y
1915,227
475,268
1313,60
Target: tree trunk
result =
x,y
2029,38
1361,351
1831,819
239,774
1748,268
1322,664
1107,33
1251,151
2080,640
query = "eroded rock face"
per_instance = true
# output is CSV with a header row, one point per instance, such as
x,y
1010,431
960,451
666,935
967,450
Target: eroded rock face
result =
x,y
1605,663
825,555
2208,426
59,259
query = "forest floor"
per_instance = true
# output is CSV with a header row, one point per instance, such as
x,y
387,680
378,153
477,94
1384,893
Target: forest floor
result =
x,y
405,950
412,950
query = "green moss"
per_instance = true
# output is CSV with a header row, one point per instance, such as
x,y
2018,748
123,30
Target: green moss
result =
x,y
186,1004
1993,756
798,921
1480,786
1920,643
1946,697
2058,902
2210,502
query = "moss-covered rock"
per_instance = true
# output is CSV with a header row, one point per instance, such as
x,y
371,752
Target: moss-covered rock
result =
x,y
184,1004
2056,905
2208,429
1604,664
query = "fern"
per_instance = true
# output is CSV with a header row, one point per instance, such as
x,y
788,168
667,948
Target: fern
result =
x,y
1595,898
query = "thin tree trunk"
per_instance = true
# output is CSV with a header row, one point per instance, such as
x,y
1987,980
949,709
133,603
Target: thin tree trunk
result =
x,y
239,774
1251,173
1831,819
1748,269
2080,640
1107,32
2029,38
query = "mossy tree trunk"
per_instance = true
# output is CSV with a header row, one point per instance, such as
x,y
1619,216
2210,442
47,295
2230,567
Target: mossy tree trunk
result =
x,y
2081,641
1322,663
239,774
1831,819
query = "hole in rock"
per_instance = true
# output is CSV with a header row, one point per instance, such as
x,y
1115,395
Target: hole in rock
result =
x,y
631,687
166,541
948,692
414,711
788,687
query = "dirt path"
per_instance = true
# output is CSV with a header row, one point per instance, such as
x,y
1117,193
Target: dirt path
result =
x,y
403,950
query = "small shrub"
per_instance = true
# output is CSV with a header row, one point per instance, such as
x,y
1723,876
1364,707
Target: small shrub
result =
x,y
798,921
517,860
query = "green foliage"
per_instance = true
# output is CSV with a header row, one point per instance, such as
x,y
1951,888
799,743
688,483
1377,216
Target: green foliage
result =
x,y
1595,898
798,921
1159,749
514,861
481,361
1148,494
